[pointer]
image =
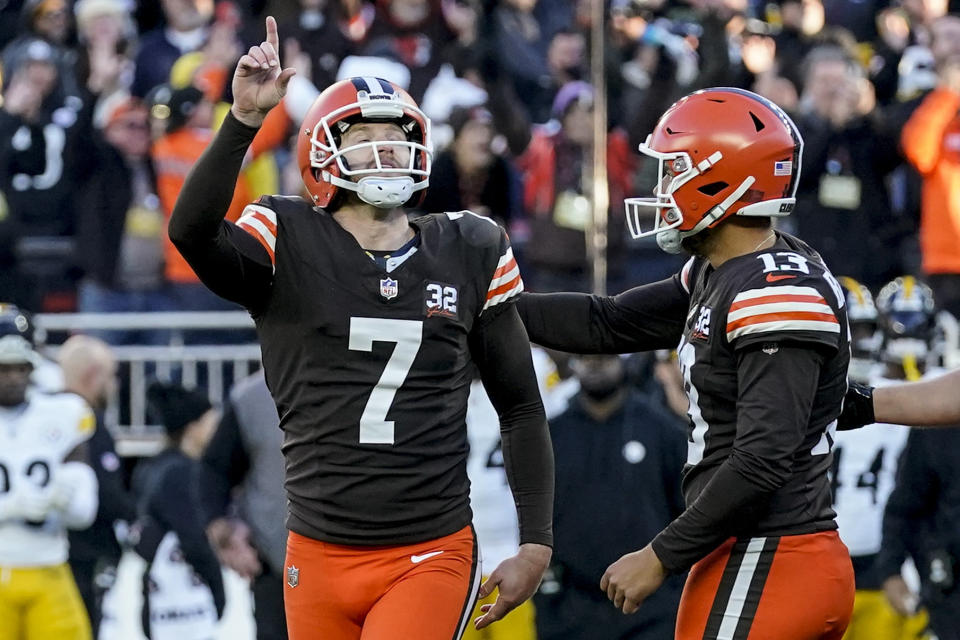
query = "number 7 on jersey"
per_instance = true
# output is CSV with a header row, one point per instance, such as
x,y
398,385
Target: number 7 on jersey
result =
x,y
407,334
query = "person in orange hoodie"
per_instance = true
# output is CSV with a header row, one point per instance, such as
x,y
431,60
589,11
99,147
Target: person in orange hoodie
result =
x,y
182,119
931,143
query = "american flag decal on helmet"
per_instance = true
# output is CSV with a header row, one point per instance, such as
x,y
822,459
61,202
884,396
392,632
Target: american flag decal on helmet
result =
x,y
783,168
506,282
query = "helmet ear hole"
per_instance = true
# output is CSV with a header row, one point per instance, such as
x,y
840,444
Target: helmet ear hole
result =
x,y
713,188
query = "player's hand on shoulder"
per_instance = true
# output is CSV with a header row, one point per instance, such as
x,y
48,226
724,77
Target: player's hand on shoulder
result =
x,y
516,579
631,579
259,82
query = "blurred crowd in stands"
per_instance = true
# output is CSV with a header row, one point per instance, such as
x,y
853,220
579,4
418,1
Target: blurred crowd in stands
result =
x,y
107,103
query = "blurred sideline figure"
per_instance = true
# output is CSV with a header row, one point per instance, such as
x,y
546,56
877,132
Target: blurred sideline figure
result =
x,y
494,513
183,585
921,520
89,370
249,535
620,451
46,487
862,477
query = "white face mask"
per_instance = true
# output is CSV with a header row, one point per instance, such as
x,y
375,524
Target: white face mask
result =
x,y
391,186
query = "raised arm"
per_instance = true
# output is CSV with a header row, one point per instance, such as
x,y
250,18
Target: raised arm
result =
x,y
231,262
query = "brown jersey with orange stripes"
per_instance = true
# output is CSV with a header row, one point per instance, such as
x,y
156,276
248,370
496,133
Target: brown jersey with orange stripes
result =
x,y
764,349
370,367
777,299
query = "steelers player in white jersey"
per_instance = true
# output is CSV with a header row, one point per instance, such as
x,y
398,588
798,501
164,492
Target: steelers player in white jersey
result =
x,y
46,487
494,513
863,474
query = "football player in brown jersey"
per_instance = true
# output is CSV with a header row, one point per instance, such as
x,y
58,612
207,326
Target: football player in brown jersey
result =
x,y
371,324
760,328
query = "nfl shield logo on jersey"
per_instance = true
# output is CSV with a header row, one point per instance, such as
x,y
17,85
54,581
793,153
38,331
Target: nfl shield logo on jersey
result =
x,y
293,576
388,288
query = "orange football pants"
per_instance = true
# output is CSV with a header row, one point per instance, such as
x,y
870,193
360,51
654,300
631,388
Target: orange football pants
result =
x,y
777,588
423,591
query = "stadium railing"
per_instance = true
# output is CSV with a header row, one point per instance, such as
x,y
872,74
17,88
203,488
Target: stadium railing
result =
x,y
213,367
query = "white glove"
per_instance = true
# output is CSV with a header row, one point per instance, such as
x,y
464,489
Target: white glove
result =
x,y
26,502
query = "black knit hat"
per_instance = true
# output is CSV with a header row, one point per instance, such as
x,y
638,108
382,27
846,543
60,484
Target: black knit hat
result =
x,y
175,407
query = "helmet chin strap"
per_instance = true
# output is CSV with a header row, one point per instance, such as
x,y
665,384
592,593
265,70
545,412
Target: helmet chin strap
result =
x,y
671,240
385,193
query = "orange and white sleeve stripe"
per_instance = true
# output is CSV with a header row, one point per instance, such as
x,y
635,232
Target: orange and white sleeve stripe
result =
x,y
780,308
261,223
685,274
506,282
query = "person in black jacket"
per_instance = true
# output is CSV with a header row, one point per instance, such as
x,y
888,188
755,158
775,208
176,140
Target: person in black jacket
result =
x,y
249,536
183,585
120,224
612,438
922,520
470,175
89,370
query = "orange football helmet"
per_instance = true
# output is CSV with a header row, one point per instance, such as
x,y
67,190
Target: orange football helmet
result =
x,y
721,152
322,164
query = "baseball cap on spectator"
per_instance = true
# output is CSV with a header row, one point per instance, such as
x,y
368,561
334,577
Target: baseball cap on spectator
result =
x,y
174,106
121,108
39,51
88,10
461,116
38,8
576,92
175,407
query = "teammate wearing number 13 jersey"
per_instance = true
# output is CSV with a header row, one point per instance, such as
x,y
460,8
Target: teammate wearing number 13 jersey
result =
x,y
762,337
370,325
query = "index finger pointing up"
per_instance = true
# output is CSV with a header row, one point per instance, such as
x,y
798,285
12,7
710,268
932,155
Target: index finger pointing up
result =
x,y
272,36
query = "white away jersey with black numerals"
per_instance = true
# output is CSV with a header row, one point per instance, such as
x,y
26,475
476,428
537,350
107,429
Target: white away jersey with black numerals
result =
x,y
371,369
34,441
863,475
763,300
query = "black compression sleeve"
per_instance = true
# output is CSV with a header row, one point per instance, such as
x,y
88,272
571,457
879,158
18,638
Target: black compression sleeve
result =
x,y
776,392
228,260
640,319
502,353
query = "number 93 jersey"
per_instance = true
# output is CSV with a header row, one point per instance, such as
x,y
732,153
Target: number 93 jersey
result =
x,y
781,298
35,438
371,368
